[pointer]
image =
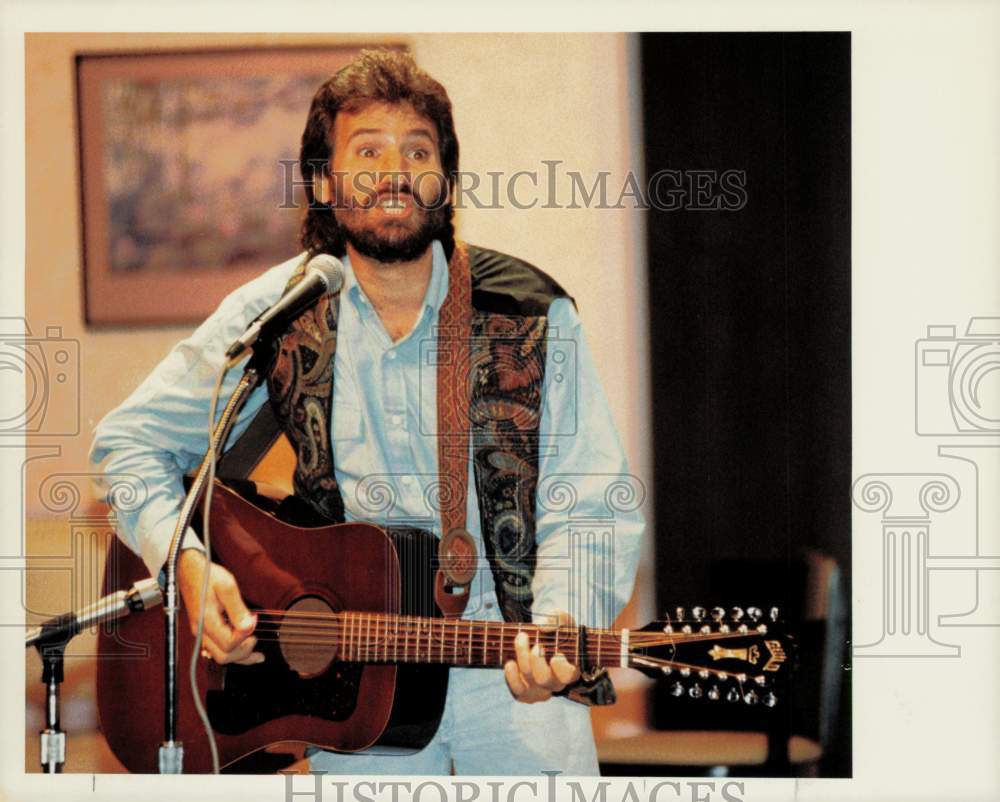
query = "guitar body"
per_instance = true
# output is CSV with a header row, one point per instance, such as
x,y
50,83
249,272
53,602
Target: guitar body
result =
x,y
299,693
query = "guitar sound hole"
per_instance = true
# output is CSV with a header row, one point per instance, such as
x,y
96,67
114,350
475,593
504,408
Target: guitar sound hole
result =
x,y
306,637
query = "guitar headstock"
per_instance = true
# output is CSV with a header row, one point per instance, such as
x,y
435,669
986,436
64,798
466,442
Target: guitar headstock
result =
x,y
736,655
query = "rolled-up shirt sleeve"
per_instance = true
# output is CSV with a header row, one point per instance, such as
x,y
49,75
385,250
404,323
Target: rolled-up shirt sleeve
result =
x,y
589,521
143,447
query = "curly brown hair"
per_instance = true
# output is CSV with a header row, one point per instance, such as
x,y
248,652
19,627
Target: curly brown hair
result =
x,y
376,76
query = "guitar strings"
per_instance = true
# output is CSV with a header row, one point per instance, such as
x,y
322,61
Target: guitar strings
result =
x,y
367,619
359,625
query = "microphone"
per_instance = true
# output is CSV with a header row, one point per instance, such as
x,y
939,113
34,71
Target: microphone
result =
x,y
143,595
324,276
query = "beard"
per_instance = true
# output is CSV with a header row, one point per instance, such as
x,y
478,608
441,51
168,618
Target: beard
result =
x,y
394,241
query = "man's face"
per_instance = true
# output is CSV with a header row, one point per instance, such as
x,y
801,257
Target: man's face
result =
x,y
387,187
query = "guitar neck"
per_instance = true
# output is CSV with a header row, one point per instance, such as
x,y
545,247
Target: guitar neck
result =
x,y
379,638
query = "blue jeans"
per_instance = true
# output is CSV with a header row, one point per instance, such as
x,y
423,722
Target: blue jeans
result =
x,y
485,731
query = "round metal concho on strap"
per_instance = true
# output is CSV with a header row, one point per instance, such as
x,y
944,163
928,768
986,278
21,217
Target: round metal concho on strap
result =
x,y
456,568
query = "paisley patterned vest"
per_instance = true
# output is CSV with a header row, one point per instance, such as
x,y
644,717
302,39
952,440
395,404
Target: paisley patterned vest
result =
x,y
506,371
505,375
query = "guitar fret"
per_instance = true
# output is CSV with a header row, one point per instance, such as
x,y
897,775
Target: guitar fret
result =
x,y
364,646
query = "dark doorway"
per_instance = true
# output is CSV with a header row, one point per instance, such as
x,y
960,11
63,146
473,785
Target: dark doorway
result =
x,y
750,300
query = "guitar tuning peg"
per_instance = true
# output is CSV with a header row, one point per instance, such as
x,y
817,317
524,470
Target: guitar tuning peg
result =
x,y
718,613
755,613
695,691
677,689
668,630
704,673
713,693
679,613
750,697
705,630
698,613
666,670
685,672
760,679
770,700
733,695
774,614
737,613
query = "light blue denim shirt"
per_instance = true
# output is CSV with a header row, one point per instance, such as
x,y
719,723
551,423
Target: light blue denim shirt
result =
x,y
588,516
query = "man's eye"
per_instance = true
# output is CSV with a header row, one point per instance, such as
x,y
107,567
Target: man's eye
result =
x,y
367,153
418,155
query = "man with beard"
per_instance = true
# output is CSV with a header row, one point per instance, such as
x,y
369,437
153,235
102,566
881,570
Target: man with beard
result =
x,y
380,158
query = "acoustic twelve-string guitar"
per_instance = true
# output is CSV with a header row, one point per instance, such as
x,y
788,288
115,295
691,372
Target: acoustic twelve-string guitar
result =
x,y
356,654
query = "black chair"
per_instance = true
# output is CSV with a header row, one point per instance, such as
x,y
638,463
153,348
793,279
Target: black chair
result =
x,y
692,737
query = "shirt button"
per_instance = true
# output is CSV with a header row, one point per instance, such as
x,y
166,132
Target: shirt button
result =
x,y
391,355
397,420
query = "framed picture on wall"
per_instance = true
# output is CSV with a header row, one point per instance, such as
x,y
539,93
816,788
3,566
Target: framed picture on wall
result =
x,y
189,178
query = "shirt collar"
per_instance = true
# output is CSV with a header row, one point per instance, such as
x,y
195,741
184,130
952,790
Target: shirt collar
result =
x,y
437,288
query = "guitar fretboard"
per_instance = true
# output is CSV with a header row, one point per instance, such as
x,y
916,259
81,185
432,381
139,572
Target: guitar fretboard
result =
x,y
380,638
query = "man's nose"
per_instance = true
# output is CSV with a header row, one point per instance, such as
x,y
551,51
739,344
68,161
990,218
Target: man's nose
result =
x,y
394,172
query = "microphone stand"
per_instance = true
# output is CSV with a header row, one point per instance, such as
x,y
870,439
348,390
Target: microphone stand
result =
x,y
51,638
52,753
171,751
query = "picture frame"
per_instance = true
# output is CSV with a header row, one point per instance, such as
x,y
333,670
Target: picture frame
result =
x,y
189,181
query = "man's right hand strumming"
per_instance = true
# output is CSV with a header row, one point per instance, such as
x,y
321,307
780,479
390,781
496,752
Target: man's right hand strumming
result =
x,y
229,624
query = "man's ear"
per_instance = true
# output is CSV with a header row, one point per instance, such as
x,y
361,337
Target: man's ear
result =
x,y
322,187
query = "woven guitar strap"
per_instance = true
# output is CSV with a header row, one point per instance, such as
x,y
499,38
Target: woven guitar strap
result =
x,y
457,551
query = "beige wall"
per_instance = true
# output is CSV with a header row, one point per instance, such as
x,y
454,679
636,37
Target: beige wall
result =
x,y
518,99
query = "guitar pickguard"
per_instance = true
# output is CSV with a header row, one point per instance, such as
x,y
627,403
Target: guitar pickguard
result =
x,y
253,695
